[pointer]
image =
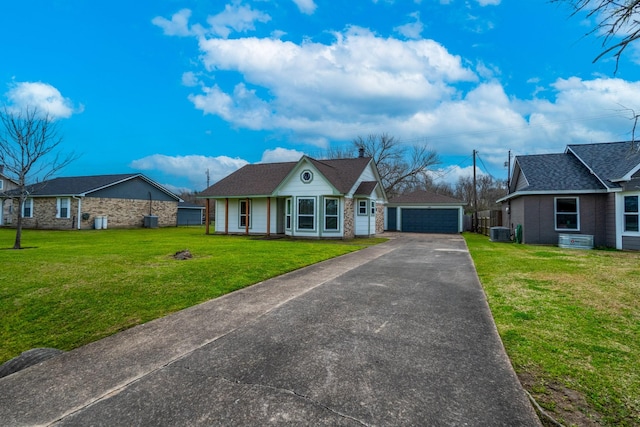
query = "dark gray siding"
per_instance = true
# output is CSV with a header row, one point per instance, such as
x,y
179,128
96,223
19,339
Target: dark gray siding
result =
x,y
610,220
137,189
631,243
538,218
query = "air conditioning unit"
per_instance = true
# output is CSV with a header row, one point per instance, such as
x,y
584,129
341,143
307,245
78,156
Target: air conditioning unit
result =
x,y
500,234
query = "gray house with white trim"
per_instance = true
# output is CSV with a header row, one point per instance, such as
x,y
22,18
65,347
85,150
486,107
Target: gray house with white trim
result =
x,y
590,189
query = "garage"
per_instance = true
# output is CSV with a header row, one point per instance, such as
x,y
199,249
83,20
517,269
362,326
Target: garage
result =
x,y
424,212
416,220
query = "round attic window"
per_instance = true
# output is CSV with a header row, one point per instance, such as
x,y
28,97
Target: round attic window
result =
x,y
306,176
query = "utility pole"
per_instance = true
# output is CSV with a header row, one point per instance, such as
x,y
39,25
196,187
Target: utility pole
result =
x,y
475,196
208,177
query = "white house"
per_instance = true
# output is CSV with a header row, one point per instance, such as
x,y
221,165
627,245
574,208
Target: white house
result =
x,y
338,198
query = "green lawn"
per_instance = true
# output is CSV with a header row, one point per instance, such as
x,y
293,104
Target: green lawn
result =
x,y
68,288
570,322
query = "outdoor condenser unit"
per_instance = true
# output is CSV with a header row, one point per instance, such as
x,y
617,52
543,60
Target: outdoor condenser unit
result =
x,y
500,234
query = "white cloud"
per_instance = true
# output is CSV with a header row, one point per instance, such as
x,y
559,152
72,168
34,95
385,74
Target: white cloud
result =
x,y
42,96
306,6
488,2
236,18
411,30
357,80
452,174
361,83
281,155
177,26
193,167
189,79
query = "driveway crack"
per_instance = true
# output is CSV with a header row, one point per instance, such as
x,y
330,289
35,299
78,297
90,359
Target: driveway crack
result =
x,y
296,394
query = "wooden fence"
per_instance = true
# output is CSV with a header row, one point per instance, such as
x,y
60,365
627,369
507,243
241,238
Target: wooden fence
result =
x,y
488,219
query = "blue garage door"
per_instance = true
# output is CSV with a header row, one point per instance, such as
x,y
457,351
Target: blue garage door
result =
x,y
392,213
430,220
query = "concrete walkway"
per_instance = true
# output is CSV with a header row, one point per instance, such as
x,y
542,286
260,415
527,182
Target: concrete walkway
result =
x,y
396,334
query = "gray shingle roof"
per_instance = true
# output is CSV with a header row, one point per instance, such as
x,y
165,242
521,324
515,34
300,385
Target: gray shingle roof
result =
x,y
556,172
251,180
366,188
610,161
426,197
262,179
80,185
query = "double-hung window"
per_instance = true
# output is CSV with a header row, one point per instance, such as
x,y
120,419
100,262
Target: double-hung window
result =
x,y
245,214
362,207
331,214
373,208
631,213
567,213
27,208
64,207
306,213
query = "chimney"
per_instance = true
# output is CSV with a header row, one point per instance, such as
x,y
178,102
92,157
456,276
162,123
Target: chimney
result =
x,y
361,152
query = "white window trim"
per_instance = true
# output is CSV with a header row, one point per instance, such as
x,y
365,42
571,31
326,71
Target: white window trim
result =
x,y
555,213
29,203
373,207
240,215
315,217
337,215
366,207
59,207
624,214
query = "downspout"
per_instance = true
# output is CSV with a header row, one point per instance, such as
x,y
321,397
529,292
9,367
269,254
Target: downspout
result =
x,y
79,199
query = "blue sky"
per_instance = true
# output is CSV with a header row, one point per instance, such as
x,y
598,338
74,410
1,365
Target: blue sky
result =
x,y
173,88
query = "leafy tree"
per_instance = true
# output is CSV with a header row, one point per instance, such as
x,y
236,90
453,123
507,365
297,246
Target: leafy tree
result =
x,y
618,22
29,141
402,167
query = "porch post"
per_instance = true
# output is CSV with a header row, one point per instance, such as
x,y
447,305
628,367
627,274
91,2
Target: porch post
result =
x,y
206,216
226,216
268,216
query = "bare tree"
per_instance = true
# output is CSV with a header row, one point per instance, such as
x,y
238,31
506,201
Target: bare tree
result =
x,y
488,190
29,142
618,22
401,167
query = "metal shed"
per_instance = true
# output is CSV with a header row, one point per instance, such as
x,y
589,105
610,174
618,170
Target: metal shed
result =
x,y
190,214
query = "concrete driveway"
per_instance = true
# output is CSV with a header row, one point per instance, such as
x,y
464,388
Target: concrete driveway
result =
x,y
396,334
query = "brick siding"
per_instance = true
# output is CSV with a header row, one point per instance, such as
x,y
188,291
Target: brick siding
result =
x,y
120,213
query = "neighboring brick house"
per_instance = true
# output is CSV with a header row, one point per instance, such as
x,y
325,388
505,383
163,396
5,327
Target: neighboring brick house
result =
x,y
338,198
100,201
590,189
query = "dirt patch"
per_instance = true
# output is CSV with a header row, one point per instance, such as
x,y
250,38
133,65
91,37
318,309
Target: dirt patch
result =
x,y
567,407
182,255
